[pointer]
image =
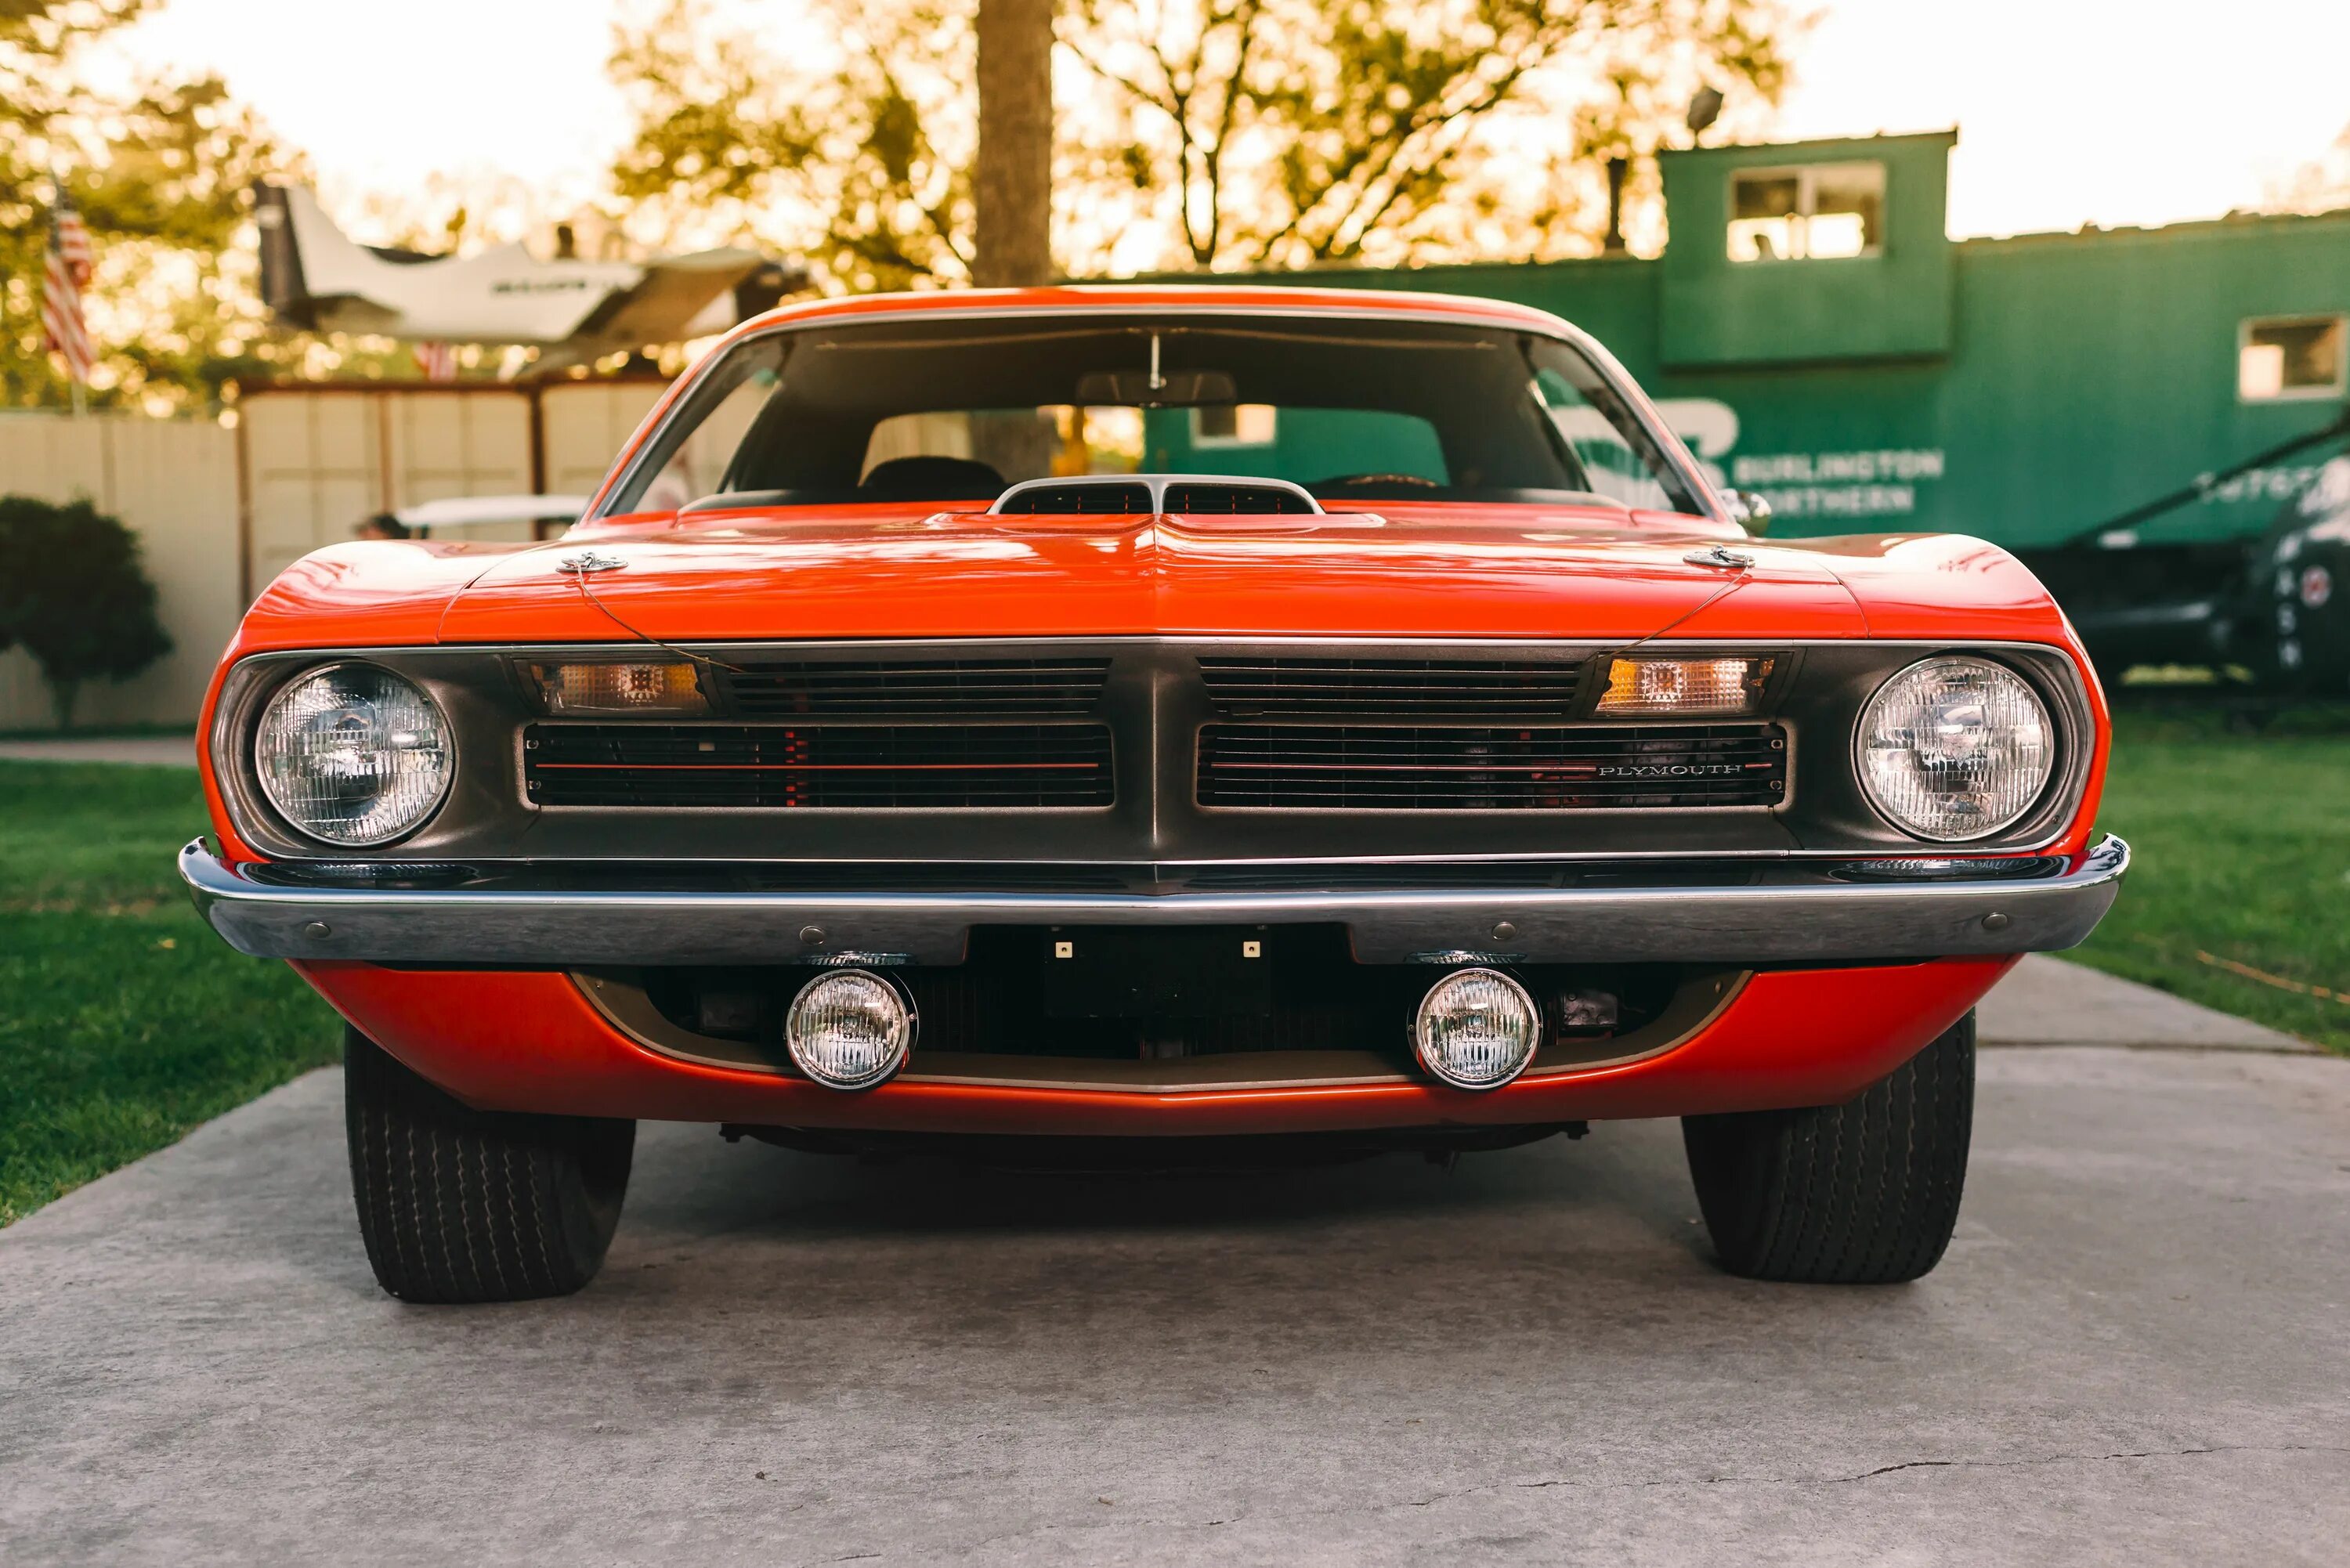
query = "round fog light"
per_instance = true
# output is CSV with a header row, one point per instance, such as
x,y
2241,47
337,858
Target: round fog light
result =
x,y
849,1029
1476,1029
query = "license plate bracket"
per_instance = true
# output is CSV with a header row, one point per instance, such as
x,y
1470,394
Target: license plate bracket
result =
x,y
1116,971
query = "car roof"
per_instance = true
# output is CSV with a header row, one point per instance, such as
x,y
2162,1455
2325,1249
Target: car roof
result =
x,y
1214,298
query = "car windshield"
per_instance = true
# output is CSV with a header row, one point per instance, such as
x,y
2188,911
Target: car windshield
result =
x,y
956,411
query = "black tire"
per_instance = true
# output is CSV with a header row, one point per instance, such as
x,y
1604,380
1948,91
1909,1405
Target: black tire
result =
x,y
1862,1193
460,1205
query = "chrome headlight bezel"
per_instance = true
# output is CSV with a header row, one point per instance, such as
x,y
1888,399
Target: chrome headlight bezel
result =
x,y
269,706
2054,765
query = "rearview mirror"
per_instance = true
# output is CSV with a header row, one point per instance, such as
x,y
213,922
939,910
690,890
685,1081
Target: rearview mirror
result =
x,y
1175,388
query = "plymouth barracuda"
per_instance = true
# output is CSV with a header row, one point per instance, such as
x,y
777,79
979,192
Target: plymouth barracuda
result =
x,y
1154,723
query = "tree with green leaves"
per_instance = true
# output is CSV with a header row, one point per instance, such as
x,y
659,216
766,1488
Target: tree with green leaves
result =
x,y
859,160
159,177
73,592
1289,133
1219,134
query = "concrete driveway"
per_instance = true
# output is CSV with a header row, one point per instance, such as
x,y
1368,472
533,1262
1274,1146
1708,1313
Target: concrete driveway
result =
x,y
2136,1351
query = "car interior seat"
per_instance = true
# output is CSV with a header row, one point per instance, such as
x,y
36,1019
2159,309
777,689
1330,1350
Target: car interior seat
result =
x,y
932,479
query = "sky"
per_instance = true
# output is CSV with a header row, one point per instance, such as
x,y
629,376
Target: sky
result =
x,y
517,86
2070,111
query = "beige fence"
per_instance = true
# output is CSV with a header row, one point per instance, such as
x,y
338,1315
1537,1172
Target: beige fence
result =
x,y
222,510
317,459
174,482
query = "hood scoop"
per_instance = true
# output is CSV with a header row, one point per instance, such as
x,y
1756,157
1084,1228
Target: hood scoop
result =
x,y
1134,494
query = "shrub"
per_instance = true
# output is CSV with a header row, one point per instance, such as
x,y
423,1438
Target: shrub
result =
x,y
73,592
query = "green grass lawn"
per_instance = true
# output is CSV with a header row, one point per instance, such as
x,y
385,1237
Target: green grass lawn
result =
x,y
124,1023
2242,848
123,1020
94,732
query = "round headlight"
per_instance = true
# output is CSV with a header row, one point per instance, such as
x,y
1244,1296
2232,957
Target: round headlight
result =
x,y
849,1029
1476,1029
353,754
1955,748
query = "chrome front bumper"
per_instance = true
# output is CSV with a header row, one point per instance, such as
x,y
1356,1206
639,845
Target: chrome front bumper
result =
x,y
544,917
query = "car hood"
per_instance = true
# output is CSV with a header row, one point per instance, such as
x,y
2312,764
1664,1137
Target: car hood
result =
x,y
1519,572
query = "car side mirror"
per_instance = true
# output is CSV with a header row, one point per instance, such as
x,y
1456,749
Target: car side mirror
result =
x,y
1750,509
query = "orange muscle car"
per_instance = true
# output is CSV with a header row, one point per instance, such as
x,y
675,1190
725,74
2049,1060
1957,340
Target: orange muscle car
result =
x,y
1139,722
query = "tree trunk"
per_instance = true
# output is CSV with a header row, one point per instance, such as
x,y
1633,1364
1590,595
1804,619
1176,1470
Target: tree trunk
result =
x,y
61,696
1011,181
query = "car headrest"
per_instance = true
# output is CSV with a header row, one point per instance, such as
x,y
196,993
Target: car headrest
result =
x,y
933,479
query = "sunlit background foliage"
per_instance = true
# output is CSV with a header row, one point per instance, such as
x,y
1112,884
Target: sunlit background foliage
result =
x,y
1191,134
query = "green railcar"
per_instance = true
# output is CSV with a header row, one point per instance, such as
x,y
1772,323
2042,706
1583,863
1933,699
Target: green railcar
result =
x,y
2139,412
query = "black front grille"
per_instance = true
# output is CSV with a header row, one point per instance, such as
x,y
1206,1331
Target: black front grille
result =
x,y
879,688
903,767
1089,500
1236,500
1248,686
1395,768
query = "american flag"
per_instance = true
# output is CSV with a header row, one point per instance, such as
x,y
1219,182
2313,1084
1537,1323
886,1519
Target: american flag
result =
x,y
436,362
66,268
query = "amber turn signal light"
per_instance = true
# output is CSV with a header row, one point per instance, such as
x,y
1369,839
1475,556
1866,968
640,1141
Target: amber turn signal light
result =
x,y
618,691
1679,688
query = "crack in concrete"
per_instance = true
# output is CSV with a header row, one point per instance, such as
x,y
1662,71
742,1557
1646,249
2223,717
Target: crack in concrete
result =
x,y
2034,1461
2041,1459
2297,1048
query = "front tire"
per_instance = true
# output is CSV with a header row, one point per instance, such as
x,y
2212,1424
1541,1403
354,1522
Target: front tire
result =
x,y
1862,1193
461,1205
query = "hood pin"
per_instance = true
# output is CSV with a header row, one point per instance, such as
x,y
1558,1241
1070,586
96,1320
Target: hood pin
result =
x,y
1720,555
